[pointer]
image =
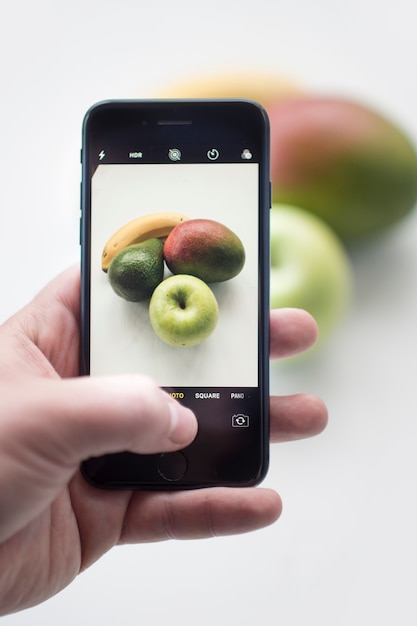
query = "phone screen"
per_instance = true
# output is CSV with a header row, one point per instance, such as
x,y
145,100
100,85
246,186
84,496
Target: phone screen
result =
x,y
194,176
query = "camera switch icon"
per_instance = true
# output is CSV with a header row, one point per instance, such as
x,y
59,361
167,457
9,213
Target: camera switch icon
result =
x,y
240,420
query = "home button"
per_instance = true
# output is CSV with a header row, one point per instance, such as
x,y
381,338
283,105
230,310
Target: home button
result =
x,y
172,466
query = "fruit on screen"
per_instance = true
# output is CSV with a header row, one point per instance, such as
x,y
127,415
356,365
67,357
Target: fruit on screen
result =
x,y
183,309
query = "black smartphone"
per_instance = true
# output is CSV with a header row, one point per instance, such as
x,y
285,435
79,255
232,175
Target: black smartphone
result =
x,y
175,278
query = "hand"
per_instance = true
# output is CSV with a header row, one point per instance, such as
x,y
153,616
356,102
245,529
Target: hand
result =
x,y
50,420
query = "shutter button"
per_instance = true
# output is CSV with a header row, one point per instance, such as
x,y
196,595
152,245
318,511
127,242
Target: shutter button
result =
x,y
172,466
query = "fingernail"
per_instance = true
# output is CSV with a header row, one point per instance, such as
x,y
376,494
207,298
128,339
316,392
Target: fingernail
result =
x,y
183,424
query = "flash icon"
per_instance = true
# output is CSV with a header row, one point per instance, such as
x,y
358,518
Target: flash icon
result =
x,y
101,155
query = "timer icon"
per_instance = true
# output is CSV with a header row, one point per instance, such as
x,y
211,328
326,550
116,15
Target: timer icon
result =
x,y
213,154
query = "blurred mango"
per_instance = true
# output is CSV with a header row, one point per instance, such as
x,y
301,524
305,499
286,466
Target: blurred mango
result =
x,y
344,162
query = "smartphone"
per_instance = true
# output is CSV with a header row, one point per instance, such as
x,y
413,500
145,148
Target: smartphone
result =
x,y
177,194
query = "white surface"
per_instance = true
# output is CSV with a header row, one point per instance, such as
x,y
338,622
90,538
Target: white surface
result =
x,y
230,193
344,551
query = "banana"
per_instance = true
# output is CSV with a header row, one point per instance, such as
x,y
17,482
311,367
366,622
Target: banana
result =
x,y
140,229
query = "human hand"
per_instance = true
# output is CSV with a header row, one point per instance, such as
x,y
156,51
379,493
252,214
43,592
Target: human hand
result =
x,y
49,515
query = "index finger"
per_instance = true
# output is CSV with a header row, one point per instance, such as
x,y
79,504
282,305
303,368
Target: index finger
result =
x,y
291,331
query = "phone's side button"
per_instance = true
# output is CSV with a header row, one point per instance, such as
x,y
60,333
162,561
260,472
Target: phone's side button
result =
x,y
172,466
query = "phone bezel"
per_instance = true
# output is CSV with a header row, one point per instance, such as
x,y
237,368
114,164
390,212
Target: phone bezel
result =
x,y
178,110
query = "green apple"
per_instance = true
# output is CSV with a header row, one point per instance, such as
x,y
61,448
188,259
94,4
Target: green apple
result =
x,y
310,268
183,310
344,162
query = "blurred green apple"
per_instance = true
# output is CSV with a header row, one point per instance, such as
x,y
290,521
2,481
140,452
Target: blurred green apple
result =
x,y
183,311
310,268
342,161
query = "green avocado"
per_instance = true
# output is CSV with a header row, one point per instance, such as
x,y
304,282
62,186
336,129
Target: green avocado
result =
x,y
136,270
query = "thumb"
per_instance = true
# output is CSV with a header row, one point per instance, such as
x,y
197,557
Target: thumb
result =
x,y
46,431
69,420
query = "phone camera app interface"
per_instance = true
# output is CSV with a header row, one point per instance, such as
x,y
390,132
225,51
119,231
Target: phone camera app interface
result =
x,y
174,279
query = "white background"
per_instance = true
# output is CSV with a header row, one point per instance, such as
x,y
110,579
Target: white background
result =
x,y
344,551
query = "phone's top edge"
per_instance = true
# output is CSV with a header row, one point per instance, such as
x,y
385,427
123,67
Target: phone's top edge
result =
x,y
127,102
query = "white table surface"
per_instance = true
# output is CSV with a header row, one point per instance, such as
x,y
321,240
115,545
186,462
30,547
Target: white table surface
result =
x,y
344,550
